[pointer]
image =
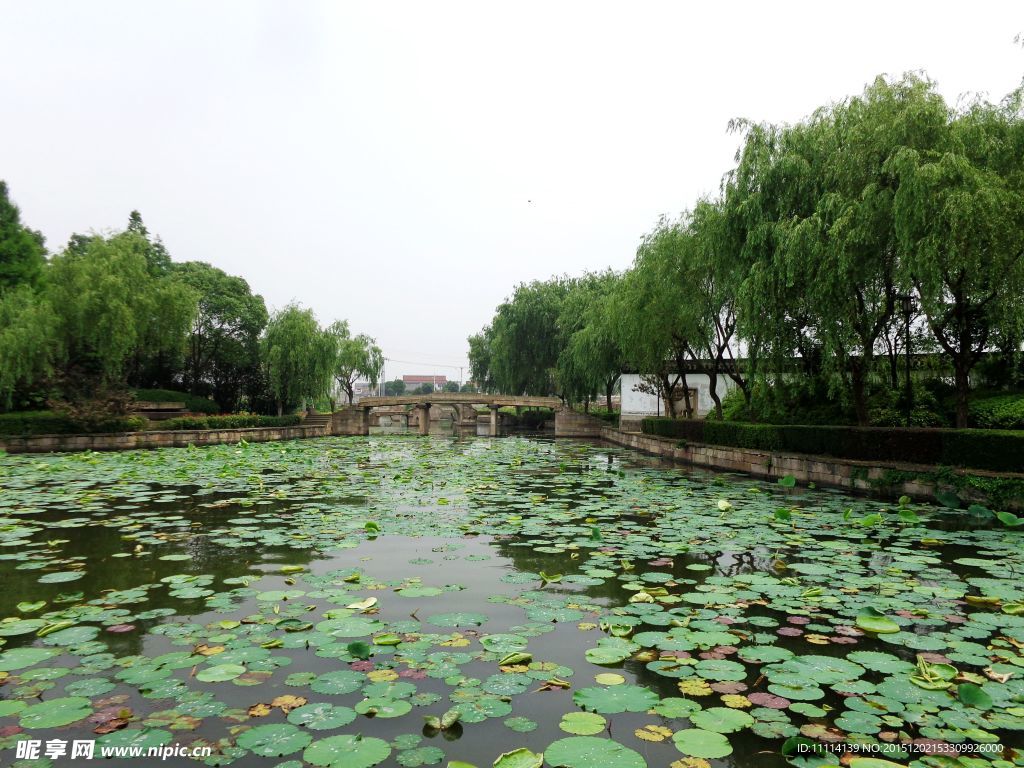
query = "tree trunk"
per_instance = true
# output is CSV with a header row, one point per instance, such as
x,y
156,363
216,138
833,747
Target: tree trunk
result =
x,y
608,395
713,391
963,385
860,401
280,408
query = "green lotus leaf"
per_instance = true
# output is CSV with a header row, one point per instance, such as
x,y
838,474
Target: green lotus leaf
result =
x,y
591,752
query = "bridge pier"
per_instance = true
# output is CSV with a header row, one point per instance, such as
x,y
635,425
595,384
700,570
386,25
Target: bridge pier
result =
x,y
494,420
424,409
351,420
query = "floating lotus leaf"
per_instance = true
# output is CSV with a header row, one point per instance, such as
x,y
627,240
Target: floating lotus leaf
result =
x,y
618,698
347,752
219,673
55,712
322,716
697,742
721,720
591,752
338,682
273,740
519,758
583,723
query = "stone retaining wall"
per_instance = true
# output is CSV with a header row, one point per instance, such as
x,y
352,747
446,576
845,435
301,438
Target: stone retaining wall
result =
x,y
845,474
123,441
570,423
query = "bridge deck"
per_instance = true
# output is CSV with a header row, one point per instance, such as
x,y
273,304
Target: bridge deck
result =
x,y
461,398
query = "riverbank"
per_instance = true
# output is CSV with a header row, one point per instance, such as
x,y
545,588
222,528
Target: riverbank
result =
x,y
888,479
177,438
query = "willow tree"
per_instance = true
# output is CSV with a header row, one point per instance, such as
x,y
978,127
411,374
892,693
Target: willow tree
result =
x,y
847,244
959,216
657,321
591,360
27,334
525,340
108,308
355,357
298,356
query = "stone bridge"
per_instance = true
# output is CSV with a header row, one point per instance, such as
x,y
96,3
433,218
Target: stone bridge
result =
x,y
355,419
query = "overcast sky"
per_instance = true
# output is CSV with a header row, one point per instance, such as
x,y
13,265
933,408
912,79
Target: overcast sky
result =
x,y
404,165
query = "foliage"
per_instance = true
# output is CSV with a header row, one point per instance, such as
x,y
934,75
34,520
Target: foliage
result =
x,y
299,356
995,450
222,348
22,254
394,388
56,423
108,306
235,421
355,357
1004,411
192,403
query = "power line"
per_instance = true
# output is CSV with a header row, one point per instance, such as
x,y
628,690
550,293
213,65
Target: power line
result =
x,y
428,365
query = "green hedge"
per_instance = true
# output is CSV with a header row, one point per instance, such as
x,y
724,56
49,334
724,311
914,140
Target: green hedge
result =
x,y
996,450
226,422
1000,412
193,403
23,423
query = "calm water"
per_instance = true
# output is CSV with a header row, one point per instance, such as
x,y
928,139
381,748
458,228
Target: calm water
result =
x,y
267,556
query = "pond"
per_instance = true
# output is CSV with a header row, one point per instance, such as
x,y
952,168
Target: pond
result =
x,y
404,601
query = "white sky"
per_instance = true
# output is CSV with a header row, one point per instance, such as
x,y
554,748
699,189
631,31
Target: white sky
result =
x,y
375,161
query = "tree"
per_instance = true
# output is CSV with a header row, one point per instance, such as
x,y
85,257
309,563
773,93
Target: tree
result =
x,y
524,341
479,356
158,260
959,215
27,336
299,357
426,388
654,314
107,306
592,359
22,253
450,386
394,388
355,357
222,351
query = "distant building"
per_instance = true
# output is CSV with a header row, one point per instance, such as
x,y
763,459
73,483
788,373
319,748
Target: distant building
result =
x,y
415,382
363,389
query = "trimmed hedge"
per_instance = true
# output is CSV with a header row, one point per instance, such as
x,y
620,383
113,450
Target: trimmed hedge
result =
x,y
1000,412
192,402
23,423
226,422
996,450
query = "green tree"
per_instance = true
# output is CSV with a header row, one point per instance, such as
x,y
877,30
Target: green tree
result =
x,y
394,388
27,338
22,253
480,359
592,359
959,215
298,356
355,357
656,319
426,388
107,306
158,260
222,353
451,386
525,340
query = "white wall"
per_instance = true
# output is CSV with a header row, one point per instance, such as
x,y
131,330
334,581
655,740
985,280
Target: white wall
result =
x,y
641,404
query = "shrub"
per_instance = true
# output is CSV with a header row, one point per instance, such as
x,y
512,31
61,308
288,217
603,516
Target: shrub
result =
x,y
53,423
239,421
997,450
192,402
999,412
